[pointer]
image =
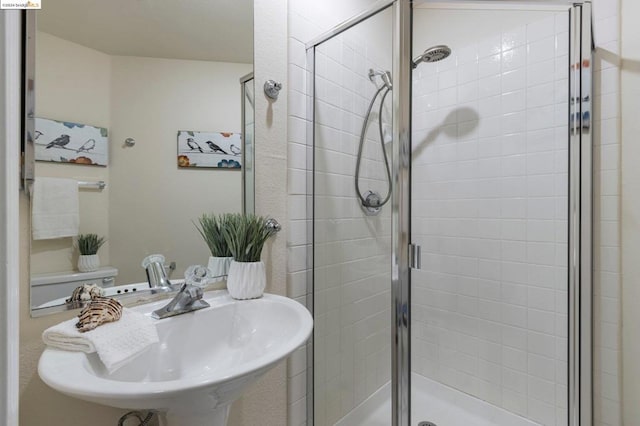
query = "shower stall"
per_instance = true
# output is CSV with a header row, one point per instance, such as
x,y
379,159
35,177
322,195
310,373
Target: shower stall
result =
x,y
451,215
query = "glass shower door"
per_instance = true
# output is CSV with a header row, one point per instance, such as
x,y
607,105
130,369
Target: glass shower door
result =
x,y
352,243
492,139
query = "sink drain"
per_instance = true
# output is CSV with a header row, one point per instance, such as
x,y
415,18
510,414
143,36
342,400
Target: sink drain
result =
x,y
427,424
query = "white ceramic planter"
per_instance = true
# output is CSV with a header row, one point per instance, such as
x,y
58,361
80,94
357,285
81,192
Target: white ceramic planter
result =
x,y
88,262
219,267
246,280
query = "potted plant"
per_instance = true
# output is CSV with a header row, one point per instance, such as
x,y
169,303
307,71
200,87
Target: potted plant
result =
x,y
210,227
88,245
245,236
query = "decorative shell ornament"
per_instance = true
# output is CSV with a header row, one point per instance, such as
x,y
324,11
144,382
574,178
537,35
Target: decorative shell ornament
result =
x,y
85,292
101,310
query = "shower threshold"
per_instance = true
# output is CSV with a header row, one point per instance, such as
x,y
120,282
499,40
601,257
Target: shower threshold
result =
x,y
435,403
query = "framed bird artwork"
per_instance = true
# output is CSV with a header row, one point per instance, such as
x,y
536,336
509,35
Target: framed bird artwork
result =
x,y
68,142
218,150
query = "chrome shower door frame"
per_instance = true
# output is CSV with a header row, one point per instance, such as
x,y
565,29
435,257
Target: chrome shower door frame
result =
x,y
580,249
401,216
400,200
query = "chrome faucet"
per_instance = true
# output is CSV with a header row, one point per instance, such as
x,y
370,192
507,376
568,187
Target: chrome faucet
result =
x,y
188,299
156,272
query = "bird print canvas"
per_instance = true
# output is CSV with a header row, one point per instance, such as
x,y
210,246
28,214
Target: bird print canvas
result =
x,y
209,149
68,142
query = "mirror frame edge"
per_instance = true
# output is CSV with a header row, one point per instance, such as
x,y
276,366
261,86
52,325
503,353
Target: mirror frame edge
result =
x,y
29,100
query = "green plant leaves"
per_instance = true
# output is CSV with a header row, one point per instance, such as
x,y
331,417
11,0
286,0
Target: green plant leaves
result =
x,y
90,243
210,227
245,235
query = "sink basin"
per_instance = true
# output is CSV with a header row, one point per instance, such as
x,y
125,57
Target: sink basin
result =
x,y
203,362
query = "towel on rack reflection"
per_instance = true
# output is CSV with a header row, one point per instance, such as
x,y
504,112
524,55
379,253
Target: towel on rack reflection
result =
x,y
55,209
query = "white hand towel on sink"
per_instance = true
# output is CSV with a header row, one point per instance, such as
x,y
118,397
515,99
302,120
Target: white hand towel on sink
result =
x,y
116,343
56,208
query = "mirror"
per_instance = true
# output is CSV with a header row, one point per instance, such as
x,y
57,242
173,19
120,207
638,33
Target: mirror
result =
x,y
145,96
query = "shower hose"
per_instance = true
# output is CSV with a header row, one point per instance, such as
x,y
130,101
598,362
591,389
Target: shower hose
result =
x,y
366,202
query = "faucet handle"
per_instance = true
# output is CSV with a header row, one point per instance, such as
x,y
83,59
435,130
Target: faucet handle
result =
x,y
197,275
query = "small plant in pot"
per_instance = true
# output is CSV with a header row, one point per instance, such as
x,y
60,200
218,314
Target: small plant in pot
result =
x,y
88,246
210,227
245,236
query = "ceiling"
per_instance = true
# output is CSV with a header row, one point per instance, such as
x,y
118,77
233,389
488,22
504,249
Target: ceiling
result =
x,y
208,30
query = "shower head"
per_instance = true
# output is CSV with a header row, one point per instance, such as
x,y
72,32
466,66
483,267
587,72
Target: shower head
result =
x,y
433,54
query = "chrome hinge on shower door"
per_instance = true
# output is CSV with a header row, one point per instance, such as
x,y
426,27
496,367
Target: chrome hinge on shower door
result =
x,y
414,256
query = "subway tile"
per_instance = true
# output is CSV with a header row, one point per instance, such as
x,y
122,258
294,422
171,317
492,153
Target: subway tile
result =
x,y
514,379
514,59
489,46
541,72
514,38
541,95
541,50
514,122
514,80
489,66
514,101
541,29
491,86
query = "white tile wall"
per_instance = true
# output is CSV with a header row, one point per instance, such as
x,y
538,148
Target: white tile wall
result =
x,y
489,209
606,277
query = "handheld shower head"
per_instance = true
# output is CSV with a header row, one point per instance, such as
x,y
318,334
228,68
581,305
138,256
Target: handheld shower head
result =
x,y
433,54
386,79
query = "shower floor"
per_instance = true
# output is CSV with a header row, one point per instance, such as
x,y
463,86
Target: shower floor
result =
x,y
434,402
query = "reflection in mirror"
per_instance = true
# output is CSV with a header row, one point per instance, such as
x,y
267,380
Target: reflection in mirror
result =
x,y
248,176
143,96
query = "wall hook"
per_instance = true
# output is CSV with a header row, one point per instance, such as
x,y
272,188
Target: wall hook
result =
x,y
273,225
129,141
272,89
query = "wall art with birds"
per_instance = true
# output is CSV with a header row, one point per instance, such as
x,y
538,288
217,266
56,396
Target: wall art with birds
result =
x,y
69,142
209,149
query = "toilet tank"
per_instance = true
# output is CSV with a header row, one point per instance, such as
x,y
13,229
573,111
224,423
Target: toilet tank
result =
x,y
47,287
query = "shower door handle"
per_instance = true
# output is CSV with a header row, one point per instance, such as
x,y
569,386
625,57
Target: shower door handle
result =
x,y
415,256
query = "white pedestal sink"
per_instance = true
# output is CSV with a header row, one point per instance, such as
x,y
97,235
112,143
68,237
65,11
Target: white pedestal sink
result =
x,y
204,361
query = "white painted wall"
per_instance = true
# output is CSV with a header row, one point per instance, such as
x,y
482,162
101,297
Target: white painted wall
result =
x,y
73,83
630,85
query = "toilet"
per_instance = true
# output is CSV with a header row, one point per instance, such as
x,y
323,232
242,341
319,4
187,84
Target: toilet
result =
x,y
57,285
